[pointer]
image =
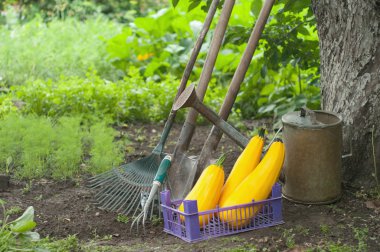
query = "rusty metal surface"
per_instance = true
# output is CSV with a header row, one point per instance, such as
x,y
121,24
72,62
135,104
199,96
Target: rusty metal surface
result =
x,y
313,167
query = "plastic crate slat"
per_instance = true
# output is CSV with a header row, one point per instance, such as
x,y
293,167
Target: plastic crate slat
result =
x,y
269,213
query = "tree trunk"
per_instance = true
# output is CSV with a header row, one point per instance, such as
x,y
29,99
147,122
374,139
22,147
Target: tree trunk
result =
x,y
349,34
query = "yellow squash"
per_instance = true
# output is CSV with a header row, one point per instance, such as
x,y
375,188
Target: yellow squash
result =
x,y
257,186
244,165
207,190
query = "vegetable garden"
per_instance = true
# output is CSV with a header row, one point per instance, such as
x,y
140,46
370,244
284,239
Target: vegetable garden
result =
x,y
87,85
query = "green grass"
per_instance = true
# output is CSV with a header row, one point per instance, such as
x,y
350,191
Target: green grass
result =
x,y
37,50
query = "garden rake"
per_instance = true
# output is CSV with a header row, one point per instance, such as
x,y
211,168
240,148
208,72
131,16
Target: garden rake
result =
x,y
125,189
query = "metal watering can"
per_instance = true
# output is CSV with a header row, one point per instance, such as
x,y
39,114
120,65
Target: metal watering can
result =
x,y
312,171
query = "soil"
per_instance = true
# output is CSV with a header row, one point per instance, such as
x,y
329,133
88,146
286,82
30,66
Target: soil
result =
x,y
66,208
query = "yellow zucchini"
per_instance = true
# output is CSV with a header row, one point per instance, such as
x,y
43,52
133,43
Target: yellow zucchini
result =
x,y
244,165
257,186
207,190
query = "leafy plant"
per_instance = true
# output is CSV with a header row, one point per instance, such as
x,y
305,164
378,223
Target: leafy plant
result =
x,y
289,236
13,210
361,234
325,229
105,154
81,9
123,218
43,148
158,44
284,73
17,234
36,147
67,48
132,99
11,135
67,154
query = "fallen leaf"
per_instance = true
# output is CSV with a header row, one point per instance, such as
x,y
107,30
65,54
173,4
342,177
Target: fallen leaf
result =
x,y
373,204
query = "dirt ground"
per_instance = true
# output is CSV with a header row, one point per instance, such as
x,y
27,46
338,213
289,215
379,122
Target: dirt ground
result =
x,y
66,208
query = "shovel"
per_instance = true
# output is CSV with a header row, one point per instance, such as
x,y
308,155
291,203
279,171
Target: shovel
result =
x,y
181,163
190,167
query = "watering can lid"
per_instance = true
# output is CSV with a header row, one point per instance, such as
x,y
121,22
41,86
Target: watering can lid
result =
x,y
303,118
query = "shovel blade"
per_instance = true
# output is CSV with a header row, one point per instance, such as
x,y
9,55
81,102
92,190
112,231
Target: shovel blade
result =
x,y
181,175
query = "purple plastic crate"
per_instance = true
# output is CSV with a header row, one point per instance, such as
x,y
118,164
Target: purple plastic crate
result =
x,y
193,226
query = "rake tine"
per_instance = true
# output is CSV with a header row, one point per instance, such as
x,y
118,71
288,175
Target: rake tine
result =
x,y
128,199
101,180
137,221
102,195
118,205
133,203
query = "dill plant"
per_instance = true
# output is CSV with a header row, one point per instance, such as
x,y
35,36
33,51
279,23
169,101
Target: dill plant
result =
x,y
36,147
67,153
105,153
43,147
11,136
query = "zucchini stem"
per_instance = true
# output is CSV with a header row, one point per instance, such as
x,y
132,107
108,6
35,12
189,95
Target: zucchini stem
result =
x,y
221,160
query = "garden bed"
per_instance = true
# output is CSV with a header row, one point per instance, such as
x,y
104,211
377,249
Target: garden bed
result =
x,y
66,208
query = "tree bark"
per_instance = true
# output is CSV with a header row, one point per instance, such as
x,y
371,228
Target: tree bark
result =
x,y
349,34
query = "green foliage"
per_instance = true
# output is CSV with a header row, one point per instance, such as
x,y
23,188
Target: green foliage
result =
x,y
18,234
158,44
284,74
47,51
11,136
361,235
13,210
67,154
289,237
104,152
150,54
36,147
131,99
325,229
42,148
70,243
123,218
80,9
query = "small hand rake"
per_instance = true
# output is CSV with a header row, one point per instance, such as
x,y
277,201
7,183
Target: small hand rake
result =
x,y
125,189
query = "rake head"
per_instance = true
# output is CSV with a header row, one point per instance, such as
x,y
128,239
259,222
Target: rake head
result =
x,y
126,188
